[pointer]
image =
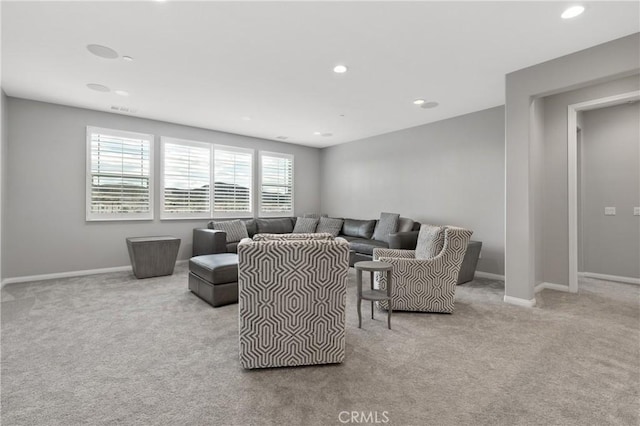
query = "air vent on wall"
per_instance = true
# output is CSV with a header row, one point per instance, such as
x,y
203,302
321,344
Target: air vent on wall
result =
x,y
124,109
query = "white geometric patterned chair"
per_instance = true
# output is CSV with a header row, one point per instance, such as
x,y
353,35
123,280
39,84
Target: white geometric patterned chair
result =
x,y
425,285
292,296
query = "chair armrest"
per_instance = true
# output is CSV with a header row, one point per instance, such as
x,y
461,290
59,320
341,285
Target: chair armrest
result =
x,y
403,240
394,253
209,241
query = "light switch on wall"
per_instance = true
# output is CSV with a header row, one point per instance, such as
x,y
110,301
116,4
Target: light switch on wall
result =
x,y
609,211
636,211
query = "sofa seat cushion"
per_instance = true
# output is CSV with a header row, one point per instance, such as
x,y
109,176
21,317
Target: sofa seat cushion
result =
x,y
221,268
360,245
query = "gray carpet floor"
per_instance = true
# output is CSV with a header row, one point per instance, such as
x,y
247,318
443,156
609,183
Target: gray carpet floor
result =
x,y
110,349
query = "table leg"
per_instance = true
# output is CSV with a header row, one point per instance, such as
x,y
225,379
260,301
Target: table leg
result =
x,y
389,302
371,277
359,302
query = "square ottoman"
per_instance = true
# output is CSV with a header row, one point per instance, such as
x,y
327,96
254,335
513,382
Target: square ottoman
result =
x,y
214,278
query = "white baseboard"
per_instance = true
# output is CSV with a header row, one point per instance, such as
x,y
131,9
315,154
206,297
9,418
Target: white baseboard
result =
x,y
628,280
70,274
551,286
520,302
489,275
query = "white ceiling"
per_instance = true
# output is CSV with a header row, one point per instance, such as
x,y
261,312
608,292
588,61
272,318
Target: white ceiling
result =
x,y
209,64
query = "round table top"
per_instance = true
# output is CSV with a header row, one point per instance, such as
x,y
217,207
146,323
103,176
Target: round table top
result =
x,y
372,265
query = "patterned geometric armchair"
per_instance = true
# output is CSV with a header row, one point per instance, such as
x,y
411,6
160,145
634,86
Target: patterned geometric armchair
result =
x,y
292,296
424,279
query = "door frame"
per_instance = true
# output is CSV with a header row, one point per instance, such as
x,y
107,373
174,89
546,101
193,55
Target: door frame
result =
x,y
572,124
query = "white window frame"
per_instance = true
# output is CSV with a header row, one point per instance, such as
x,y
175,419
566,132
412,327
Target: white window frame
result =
x,y
252,192
94,217
288,213
165,215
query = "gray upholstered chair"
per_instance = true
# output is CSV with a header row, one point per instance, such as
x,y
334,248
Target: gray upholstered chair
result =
x,y
425,279
292,296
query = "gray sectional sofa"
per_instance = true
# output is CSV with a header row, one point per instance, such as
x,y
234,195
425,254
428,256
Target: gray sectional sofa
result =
x,y
359,234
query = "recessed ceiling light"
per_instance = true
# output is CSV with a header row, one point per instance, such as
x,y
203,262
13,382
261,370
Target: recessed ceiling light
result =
x,y
317,133
102,51
246,118
429,105
127,58
572,12
98,87
340,69
418,101
121,92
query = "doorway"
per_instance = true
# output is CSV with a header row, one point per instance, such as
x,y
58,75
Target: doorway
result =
x,y
573,171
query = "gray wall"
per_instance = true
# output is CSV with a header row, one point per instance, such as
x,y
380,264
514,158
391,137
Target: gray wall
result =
x,y
46,230
448,172
600,63
555,228
611,178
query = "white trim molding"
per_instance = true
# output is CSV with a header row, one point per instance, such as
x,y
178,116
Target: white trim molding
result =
x,y
520,302
489,275
605,277
71,274
551,286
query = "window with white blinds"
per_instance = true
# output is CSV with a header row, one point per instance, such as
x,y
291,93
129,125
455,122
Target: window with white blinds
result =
x,y
276,184
186,179
119,175
233,178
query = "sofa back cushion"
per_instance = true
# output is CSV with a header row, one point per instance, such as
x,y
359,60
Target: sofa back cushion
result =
x,y
280,225
405,224
358,228
252,227
430,241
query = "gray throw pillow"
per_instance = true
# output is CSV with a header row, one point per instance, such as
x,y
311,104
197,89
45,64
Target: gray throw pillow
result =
x,y
387,224
330,224
235,229
430,241
405,224
305,225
